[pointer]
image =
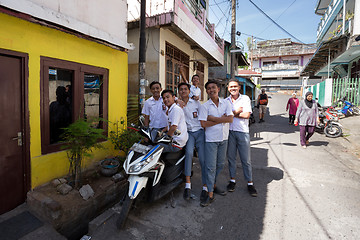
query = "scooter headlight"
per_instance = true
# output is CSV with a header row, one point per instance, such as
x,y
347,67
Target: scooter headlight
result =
x,y
139,166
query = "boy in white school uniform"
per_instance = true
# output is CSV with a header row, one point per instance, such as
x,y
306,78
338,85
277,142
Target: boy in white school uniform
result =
x,y
176,120
239,138
154,110
215,116
195,91
196,139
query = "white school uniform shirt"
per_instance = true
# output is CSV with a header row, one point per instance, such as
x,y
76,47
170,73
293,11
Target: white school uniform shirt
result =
x,y
194,91
191,111
240,124
156,110
177,117
218,132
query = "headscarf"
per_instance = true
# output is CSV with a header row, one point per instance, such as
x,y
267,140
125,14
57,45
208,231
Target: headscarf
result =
x,y
307,102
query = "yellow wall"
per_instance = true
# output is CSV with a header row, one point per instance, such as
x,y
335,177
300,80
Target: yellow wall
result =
x,y
36,40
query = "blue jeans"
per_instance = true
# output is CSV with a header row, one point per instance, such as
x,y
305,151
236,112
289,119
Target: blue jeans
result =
x,y
239,141
215,154
196,139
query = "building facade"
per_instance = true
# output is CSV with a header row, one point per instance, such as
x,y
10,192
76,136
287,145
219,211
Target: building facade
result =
x,y
280,62
178,34
47,49
338,40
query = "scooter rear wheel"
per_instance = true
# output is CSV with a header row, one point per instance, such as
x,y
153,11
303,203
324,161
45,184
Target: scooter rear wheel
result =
x,y
333,131
125,209
356,111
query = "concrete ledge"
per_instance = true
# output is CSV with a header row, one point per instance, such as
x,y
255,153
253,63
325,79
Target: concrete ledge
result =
x,y
70,214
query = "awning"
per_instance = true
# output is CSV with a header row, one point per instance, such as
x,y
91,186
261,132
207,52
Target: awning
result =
x,y
335,46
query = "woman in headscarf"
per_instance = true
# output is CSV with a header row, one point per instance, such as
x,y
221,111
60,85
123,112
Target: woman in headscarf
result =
x,y
292,106
307,117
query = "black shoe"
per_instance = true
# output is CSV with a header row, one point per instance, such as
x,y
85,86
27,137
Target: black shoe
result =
x,y
207,201
231,186
187,193
252,190
203,195
219,191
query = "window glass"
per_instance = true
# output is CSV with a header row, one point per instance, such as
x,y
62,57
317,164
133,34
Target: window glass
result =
x,y
291,62
60,104
92,85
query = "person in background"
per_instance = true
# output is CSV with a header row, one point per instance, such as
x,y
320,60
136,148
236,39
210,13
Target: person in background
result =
x,y
239,137
262,102
196,139
215,116
292,106
307,116
154,110
195,91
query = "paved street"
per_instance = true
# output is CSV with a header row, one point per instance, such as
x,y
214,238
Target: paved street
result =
x,y
308,193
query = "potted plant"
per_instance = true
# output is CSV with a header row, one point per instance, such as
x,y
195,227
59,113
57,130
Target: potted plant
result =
x,y
123,137
80,138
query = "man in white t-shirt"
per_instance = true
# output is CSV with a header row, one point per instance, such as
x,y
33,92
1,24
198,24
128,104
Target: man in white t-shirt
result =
x,y
176,120
239,138
196,139
215,116
154,110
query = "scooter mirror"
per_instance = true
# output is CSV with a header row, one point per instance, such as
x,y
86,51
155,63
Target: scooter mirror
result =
x,y
142,120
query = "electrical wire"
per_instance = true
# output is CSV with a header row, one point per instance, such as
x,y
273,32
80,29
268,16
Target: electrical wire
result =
x,y
218,3
275,22
278,17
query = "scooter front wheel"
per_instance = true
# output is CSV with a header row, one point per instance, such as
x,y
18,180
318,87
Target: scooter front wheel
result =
x,y
333,131
125,209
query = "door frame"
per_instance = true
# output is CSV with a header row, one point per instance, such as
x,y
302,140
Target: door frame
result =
x,y
24,57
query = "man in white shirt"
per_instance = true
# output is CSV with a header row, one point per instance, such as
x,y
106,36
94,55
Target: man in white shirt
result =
x,y
196,139
176,120
239,138
155,110
215,116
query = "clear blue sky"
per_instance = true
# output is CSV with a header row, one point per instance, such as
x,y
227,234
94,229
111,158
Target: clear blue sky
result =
x,y
296,16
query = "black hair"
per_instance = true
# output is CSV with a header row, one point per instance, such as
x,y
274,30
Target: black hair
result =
x,y
183,83
212,81
195,75
153,83
167,91
234,80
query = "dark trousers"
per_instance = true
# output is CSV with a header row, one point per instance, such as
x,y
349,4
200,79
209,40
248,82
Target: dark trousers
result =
x,y
291,118
305,134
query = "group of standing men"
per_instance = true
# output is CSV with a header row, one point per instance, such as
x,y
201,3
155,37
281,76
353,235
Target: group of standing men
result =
x,y
217,128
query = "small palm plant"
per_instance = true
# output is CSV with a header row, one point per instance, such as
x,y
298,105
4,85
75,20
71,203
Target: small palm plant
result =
x,y
80,138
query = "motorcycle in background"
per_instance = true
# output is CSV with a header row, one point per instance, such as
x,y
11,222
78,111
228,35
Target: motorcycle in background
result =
x,y
329,123
348,108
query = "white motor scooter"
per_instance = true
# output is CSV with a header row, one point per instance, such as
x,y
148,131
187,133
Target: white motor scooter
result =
x,y
150,171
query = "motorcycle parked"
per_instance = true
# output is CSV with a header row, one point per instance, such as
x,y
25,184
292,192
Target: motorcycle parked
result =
x,y
329,123
151,172
348,108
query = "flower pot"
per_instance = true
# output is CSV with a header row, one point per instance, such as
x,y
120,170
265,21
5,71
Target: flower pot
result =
x,y
109,167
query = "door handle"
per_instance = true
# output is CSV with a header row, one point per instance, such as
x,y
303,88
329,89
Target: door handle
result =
x,y
18,138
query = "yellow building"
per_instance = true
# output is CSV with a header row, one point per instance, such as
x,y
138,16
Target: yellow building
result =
x,y
58,61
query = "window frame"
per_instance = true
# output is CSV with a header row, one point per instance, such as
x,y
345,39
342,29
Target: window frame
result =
x,y
79,70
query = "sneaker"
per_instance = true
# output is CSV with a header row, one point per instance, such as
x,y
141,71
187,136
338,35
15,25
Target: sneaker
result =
x,y
231,186
187,193
207,201
203,195
219,191
304,146
252,190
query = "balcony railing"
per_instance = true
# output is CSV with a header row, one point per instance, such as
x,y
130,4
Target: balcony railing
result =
x,y
200,15
284,51
333,9
281,66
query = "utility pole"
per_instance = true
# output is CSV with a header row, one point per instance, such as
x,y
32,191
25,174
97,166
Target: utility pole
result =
x,y
251,53
233,66
142,56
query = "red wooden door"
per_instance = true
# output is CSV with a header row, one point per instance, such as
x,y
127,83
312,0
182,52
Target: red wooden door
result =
x,y
12,157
